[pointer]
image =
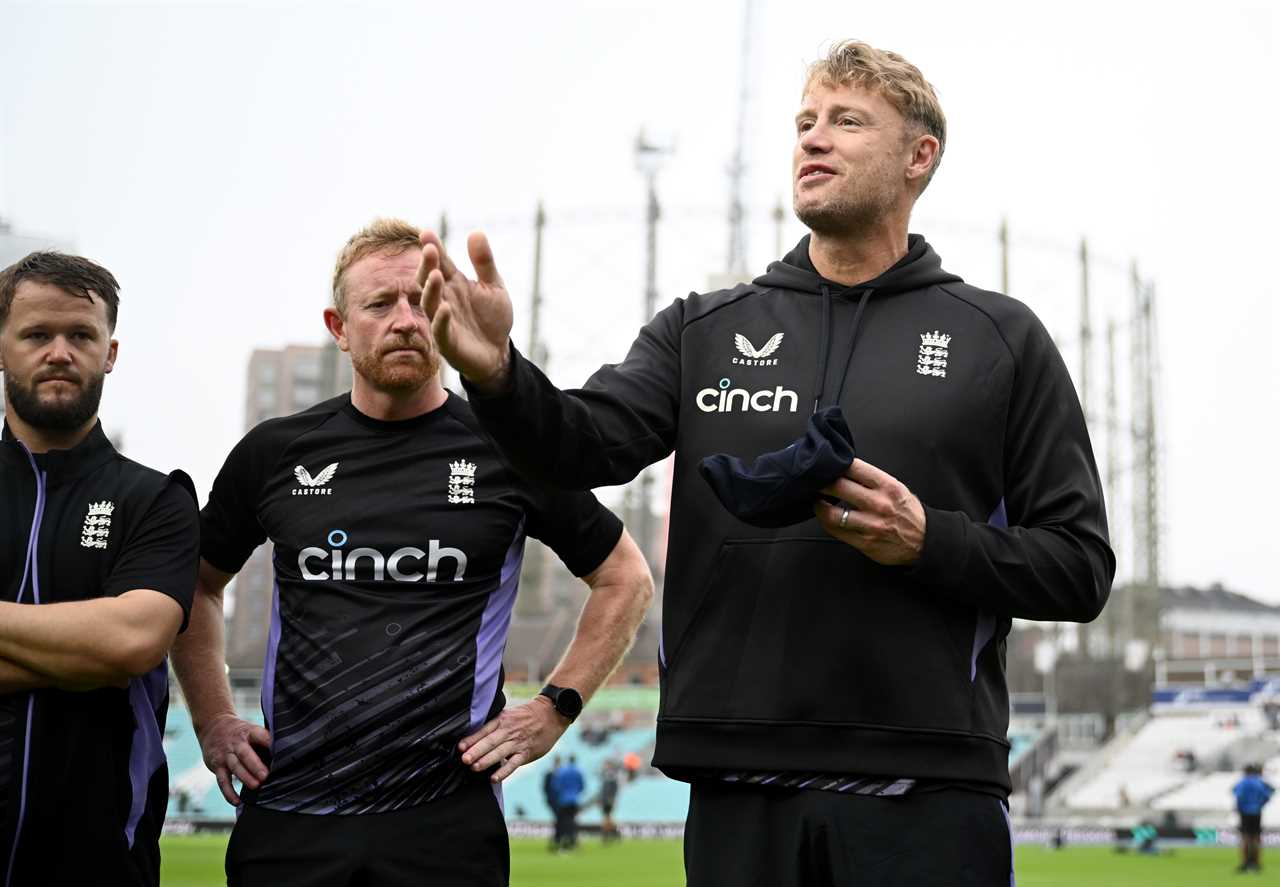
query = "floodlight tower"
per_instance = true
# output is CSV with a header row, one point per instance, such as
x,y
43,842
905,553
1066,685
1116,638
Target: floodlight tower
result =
x,y
649,159
737,259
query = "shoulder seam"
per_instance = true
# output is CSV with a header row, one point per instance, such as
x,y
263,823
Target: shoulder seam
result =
x,y
985,313
325,417
749,290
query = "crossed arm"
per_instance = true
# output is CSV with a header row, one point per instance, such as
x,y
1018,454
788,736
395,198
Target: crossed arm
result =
x,y
84,645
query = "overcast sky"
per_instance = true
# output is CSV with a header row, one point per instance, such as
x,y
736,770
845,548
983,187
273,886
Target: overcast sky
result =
x,y
216,156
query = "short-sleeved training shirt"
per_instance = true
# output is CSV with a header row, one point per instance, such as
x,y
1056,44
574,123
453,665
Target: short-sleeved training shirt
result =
x,y
397,556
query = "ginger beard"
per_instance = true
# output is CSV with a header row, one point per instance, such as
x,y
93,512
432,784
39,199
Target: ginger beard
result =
x,y
401,365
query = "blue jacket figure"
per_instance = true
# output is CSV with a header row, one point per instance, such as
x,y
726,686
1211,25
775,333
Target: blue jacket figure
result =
x,y
1252,794
567,784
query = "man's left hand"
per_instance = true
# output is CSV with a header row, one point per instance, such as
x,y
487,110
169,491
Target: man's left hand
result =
x,y
880,517
517,736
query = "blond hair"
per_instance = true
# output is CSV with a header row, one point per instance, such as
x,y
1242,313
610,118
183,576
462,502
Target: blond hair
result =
x,y
393,236
890,75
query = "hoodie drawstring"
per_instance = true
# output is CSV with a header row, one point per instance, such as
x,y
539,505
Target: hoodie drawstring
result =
x,y
853,341
824,337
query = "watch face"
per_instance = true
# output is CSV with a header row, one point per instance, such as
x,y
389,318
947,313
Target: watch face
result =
x,y
569,702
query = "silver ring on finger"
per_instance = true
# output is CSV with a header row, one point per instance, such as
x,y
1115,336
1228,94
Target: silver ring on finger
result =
x,y
844,518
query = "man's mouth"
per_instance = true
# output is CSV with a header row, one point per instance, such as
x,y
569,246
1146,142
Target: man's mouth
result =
x,y
812,170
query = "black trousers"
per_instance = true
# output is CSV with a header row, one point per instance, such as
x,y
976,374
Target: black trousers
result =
x,y
567,825
752,836
456,841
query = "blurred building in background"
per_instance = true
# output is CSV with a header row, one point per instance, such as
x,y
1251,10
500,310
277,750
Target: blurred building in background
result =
x,y
281,382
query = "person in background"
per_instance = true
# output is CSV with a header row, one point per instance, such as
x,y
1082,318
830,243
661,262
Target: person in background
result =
x,y
549,792
1252,794
608,798
569,784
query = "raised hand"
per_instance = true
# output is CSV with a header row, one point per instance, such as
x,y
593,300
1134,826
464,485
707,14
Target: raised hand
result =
x,y
470,319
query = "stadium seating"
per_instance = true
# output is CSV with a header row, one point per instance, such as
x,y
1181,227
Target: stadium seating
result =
x,y
1140,769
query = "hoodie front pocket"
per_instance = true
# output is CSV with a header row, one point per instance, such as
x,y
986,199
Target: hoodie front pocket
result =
x,y
808,630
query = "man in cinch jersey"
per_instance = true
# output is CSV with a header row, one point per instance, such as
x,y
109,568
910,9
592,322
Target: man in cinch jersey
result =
x,y
398,534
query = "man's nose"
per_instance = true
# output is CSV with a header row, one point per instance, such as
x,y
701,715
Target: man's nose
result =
x,y
403,318
814,140
59,351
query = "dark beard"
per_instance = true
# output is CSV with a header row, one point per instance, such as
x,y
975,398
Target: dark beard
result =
x,y
61,416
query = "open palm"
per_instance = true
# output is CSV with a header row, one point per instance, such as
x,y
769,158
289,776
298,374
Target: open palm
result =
x,y
470,319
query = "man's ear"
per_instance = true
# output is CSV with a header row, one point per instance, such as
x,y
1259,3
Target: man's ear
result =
x,y
112,350
923,156
337,327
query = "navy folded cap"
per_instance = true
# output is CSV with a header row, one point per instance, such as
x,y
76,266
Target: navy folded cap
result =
x,y
778,489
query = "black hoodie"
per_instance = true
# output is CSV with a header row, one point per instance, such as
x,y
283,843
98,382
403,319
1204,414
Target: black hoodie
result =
x,y
787,649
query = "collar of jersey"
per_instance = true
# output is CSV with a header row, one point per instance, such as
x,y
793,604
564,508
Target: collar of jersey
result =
x,y
399,425
59,464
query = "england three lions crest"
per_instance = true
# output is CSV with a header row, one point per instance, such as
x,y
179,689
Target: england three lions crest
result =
x,y
97,525
932,359
462,482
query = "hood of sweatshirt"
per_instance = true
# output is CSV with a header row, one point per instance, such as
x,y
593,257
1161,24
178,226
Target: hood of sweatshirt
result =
x,y
919,268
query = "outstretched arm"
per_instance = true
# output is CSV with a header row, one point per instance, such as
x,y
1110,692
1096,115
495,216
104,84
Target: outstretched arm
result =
x,y
602,434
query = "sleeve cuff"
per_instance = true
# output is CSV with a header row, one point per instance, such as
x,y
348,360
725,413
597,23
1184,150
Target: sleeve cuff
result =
x,y
606,540
942,558
509,389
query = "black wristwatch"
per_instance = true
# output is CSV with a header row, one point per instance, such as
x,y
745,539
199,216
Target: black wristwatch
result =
x,y
567,700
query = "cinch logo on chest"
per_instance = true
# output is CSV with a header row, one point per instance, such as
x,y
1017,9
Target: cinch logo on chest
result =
x,y
727,399
369,563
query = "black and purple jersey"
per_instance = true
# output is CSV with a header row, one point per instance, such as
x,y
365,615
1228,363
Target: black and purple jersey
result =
x,y
83,776
397,555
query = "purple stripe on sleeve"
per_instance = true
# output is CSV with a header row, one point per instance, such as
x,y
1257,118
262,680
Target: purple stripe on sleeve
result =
x,y
985,625
146,754
269,667
491,639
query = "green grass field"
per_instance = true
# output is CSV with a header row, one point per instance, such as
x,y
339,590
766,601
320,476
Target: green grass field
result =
x,y
196,861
